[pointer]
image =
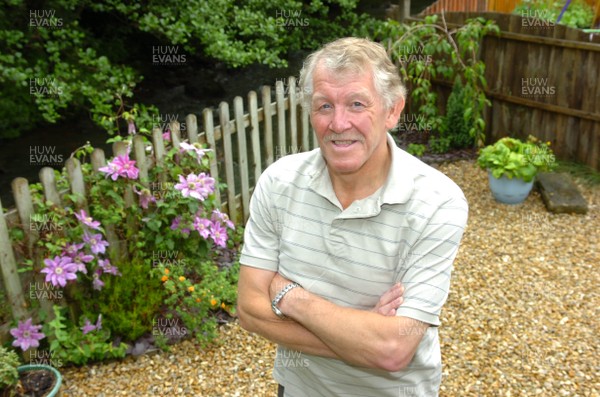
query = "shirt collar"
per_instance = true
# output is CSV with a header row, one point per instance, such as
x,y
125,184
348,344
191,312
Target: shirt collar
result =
x,y
396,190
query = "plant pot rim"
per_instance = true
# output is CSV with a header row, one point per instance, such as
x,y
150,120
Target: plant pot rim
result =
x,y
57,375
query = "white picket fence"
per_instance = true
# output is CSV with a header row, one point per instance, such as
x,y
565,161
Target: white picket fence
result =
x,y
262,133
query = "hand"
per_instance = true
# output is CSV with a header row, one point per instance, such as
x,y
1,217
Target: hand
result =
x,y
390,301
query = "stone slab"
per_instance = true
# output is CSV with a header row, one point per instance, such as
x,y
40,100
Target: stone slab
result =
x,y
560,194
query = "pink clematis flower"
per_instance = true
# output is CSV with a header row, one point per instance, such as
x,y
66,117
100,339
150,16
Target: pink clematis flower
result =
x,y
87,220
121,166
59,270
27,335
196,186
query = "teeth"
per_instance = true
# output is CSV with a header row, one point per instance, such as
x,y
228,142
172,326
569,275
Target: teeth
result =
x,y
342,142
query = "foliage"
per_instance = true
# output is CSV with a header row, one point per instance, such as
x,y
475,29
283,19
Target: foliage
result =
x,y
585,173
427,50
458,122
196,290
61,56
579,14
102,254
71,344
514,158
416,149
9,361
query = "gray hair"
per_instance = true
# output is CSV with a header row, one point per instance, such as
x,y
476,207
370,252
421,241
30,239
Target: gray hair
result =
x,y
353,54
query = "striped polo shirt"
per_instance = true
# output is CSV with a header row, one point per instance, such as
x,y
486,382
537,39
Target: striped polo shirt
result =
x,y
408,231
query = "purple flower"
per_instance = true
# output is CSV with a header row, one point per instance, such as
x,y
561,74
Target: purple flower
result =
x,y
111,169
146,197
107,267
96,242
202,226
219,234
87,220
175,223
59,270
72,249
195,148
197,186
27,335
97,284
218,216
89,327
131,127
167,135
81,259
121,166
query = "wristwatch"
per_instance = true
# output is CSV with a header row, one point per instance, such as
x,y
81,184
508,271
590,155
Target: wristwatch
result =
x,y
279,297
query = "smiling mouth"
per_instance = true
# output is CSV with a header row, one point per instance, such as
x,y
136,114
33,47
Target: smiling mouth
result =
x,y
343,143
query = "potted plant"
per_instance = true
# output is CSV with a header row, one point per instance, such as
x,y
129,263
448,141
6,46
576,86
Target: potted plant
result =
x,y
512,166
35,380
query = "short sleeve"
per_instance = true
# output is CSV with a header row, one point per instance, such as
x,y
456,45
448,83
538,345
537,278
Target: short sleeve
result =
x,y
428,265
261,235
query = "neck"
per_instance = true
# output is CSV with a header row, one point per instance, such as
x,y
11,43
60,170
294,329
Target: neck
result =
x,y
363,183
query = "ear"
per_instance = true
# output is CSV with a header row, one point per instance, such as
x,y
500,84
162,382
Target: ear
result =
x,y
394,114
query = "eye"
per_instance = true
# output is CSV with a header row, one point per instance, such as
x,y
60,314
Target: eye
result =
x,y
357,105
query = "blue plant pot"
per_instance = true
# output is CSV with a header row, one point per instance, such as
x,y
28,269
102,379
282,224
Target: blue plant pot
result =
x,y
33,367
509,191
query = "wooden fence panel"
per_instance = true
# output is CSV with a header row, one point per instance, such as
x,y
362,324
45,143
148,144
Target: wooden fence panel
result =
x,y
542,81
241,167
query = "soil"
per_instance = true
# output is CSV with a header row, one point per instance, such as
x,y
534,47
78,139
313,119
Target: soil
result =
x,y
34,383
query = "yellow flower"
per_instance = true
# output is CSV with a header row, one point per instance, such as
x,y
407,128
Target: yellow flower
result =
x,y
548,143
213,302
181,278
164,278
191,288
166,271
223,306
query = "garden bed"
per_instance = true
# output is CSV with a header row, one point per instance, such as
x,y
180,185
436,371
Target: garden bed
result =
x,y
521,318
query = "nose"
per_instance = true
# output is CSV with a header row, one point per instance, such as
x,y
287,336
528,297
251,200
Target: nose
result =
x,y
339,121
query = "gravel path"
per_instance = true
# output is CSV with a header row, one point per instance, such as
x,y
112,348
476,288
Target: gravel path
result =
x,y
521,318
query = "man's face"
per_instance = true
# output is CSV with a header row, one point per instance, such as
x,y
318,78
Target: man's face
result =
x,y
350,121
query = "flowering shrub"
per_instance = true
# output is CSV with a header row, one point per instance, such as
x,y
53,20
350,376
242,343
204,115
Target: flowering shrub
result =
x,y
110,255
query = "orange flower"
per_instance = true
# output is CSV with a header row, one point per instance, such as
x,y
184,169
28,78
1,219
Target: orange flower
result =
x,y
167,271
181,278
198,300
223,306
191,288
164,278
213,302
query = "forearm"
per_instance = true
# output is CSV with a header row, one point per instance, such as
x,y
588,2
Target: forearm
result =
x,y
255,315
365,339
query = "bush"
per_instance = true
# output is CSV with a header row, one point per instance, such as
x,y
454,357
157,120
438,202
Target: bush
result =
x,y
106,261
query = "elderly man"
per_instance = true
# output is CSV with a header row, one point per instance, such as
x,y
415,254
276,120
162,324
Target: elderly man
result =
x,y
349,248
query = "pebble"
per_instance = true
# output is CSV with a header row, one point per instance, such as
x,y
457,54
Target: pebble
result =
x,y
521,318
